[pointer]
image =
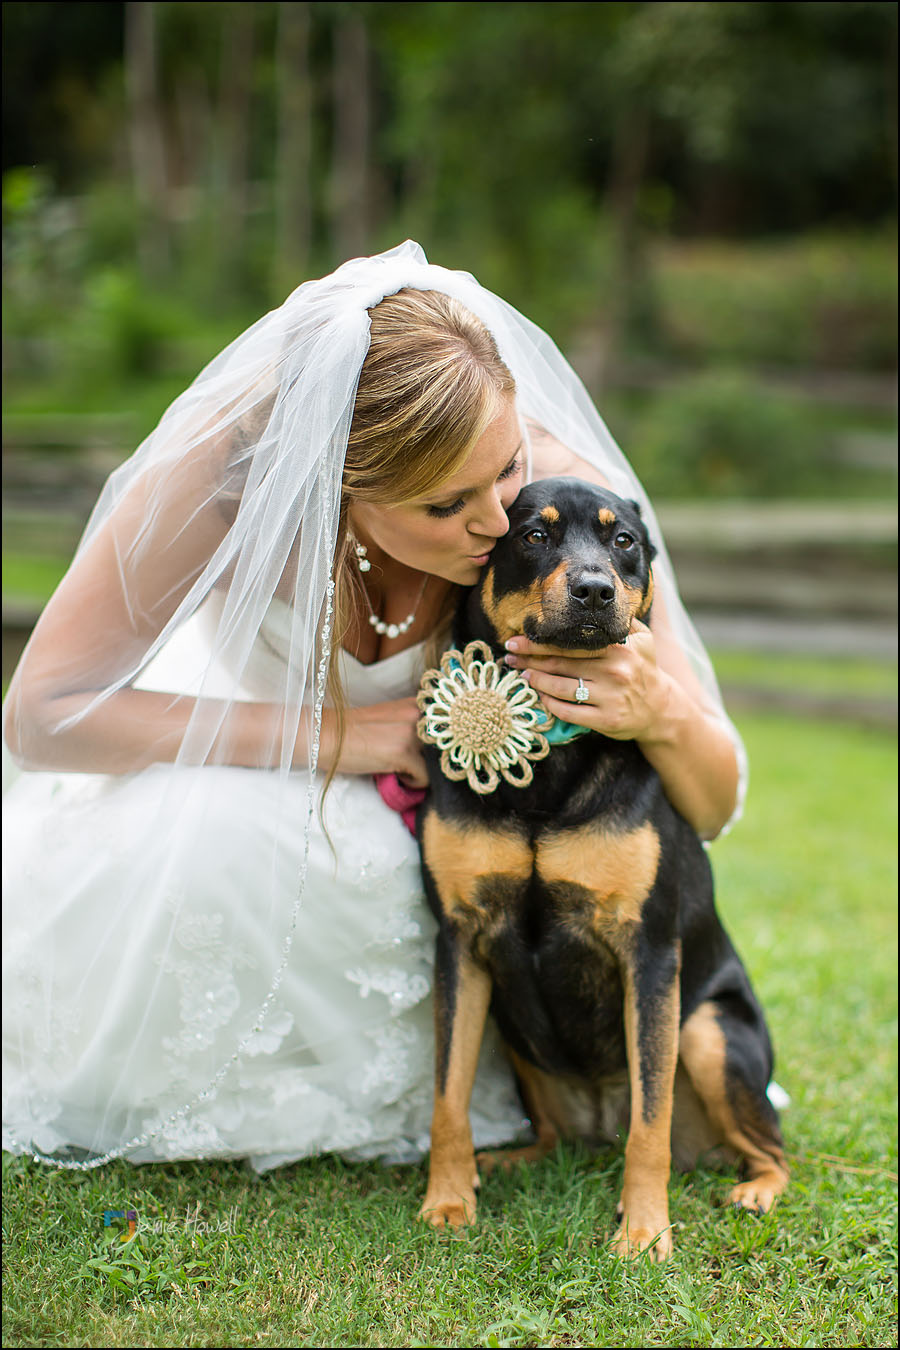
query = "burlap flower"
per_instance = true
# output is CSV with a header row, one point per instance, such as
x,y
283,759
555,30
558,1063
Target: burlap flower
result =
x,y
486,720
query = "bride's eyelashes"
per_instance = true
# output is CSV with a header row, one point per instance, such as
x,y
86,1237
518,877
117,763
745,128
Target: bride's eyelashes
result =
x,y
442,512
513,467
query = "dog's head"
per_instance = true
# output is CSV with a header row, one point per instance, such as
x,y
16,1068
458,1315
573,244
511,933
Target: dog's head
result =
x,y
572,572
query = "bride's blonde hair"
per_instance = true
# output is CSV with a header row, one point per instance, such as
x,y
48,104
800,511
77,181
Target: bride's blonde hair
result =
x,y
431,384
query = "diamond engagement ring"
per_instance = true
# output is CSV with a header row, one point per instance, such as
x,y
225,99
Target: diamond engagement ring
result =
x,y
581,693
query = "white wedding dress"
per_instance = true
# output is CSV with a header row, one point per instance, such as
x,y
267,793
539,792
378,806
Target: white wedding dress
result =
x,y
110,1024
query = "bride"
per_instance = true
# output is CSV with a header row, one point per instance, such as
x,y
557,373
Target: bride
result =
x,y
215,936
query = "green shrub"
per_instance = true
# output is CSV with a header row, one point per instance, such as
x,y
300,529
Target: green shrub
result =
x,y
813,300
722,434
126,325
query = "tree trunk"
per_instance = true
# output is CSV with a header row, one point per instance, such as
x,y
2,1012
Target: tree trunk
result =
x,y
293,210
350,198
148,158
626,306
235,99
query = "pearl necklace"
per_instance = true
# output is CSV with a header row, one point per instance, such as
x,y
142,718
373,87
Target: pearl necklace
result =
x,y
390,630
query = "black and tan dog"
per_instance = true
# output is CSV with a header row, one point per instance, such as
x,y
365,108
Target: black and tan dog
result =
x,y
579,910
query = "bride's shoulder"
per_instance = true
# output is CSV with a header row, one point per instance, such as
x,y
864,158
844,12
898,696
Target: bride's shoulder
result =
x,y
550,458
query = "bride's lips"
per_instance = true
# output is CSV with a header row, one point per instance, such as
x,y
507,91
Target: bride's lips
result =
x,y
481,558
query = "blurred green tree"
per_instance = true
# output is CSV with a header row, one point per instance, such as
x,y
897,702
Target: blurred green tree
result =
x,y
226,150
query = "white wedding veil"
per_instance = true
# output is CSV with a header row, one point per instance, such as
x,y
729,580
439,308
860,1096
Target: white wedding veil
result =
x,y
230,506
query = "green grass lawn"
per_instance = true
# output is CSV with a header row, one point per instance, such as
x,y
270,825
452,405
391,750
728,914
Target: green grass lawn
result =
x,y
325,1253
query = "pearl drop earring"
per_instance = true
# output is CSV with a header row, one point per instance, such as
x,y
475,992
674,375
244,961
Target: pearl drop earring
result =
x,y
362,561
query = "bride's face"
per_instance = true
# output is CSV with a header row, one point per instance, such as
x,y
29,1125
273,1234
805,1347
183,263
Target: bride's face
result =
x,y
451,533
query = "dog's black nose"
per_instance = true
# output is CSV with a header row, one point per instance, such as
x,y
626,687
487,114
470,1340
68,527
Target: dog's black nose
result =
x,y
591,591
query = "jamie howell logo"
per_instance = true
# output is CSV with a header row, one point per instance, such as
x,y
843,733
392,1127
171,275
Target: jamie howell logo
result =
x,y
190,1221
130,1217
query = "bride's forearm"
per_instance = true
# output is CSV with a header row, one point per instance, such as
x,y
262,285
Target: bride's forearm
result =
x,y
134,728
696,760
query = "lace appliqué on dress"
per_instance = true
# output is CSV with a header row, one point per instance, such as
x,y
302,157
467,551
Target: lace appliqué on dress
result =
x,y
209,996
402,991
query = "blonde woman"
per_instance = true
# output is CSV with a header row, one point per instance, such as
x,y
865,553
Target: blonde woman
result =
x,y
205,953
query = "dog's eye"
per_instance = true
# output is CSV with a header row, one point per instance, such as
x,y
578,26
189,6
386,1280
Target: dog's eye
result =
x,y
536,537
624,541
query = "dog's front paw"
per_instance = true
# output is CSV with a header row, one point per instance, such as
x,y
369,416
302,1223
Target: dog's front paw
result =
x,y
653,1236
450,1198
443,1209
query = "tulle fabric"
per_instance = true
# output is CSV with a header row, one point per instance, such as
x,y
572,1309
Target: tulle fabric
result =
x,y
191,898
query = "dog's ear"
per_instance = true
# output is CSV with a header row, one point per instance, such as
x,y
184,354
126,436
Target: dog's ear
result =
x,y
635,506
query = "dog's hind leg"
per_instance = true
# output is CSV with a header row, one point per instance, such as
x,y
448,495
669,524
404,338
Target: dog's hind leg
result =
x,y
539,1099
462,994
727,1059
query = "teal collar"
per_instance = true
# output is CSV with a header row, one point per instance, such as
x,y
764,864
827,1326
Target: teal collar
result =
x,y
563,732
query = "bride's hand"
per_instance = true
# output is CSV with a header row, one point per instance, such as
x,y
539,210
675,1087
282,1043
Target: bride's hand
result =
x,y
623,689
378,739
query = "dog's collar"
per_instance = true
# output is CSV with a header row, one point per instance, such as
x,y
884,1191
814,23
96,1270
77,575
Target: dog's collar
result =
x,y
562,732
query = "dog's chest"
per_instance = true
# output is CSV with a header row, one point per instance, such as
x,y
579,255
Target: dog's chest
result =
x,y
492,882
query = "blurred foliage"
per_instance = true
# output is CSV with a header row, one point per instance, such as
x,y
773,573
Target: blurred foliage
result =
x,y
754,118
720,434
820,300
710,186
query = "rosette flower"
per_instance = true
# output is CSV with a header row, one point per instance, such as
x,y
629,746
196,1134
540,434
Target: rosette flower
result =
x,y
487,722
